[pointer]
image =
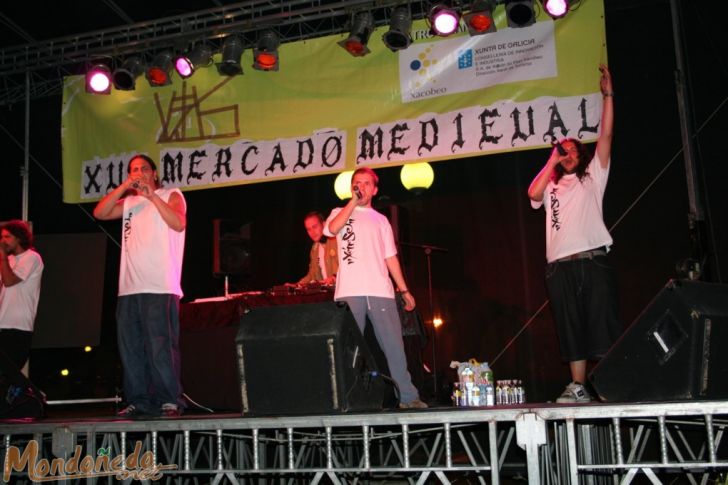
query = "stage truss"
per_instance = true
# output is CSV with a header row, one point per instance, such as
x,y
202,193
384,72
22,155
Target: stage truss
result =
x,y
544,443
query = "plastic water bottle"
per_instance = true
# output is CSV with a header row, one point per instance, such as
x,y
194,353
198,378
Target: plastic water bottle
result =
x,y
489,394
486,372
521,392
469,393
507,395
476,396
456,394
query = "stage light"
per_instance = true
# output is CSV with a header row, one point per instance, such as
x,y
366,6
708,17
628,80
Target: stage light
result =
x,y
98,79
556,8
342,185
126,75
480,18
417,177
199,56
65,372
265,53
362,26
437,322
444,20
398,36
87,349
158,72
232,49
520,13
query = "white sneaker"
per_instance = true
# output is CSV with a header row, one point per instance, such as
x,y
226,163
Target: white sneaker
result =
x,y
414,404
575,393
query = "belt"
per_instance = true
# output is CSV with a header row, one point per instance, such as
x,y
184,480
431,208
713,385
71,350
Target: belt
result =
x,y
591,254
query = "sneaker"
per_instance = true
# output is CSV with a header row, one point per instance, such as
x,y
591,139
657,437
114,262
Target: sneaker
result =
x,y
129,412
415,404
575,393
170,411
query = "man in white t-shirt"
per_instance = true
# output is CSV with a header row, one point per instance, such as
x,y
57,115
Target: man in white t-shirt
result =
x,y
367,259
21,269
579,278
147,313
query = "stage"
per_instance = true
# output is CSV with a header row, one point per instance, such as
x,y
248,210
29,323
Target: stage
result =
x,y
541,443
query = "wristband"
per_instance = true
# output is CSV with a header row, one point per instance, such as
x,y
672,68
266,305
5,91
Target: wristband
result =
x,y
608,95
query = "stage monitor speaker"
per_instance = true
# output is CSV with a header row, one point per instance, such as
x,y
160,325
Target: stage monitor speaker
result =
x,y
305,359
674,350
19,398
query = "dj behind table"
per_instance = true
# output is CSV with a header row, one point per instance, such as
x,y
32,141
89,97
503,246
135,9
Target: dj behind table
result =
x,y
208,328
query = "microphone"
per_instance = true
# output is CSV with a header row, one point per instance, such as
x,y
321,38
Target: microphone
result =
x,y
559,148
356,191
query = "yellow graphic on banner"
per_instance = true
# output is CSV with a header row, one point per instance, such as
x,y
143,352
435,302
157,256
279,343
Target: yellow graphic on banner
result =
x,y
325,111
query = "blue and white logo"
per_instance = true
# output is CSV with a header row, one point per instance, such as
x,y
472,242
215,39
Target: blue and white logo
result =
x,y
465,59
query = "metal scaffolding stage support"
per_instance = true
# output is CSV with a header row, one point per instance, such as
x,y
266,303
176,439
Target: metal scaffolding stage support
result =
x,y
49,61
549,444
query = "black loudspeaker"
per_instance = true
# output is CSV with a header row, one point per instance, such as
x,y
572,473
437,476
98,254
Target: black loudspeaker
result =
x,y
305,359
19,398
230,247
674,350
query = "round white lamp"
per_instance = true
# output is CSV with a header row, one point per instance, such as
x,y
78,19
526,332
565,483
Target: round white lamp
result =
x,y
342,185
417,177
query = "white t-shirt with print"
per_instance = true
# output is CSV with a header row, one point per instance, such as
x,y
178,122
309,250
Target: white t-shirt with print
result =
x,y
364,242
574,220
151,251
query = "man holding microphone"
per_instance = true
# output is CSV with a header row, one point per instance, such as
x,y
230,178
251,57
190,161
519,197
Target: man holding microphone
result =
x,y
579,278
367,259
147,314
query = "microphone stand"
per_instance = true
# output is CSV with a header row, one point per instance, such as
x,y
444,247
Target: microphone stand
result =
x,y
427,249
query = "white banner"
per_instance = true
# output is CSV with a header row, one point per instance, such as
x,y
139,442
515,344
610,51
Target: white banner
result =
x,y
219,164
503,126
464,64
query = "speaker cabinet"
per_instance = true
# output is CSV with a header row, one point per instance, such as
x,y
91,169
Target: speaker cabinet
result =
x,y
19,398
305,359
674,350
230,247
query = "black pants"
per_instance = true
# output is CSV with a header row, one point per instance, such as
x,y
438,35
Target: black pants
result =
x,y
583,295
16,345
18,397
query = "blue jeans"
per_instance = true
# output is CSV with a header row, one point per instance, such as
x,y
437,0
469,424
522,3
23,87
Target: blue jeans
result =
x,y
383,314
148,335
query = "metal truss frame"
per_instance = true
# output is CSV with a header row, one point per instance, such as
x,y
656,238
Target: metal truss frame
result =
x,y
592,444
292,20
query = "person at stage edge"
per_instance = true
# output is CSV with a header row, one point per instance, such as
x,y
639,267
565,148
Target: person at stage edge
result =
x,y
367,259
147,313
21,268
323,260
579,279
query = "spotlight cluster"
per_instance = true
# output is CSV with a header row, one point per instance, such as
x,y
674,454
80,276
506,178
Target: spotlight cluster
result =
x,y
445,19
159,70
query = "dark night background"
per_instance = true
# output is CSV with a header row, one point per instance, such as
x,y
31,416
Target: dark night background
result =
x,y
490,282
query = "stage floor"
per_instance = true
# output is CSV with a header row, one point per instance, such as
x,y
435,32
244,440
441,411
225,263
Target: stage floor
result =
x,y
549,443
